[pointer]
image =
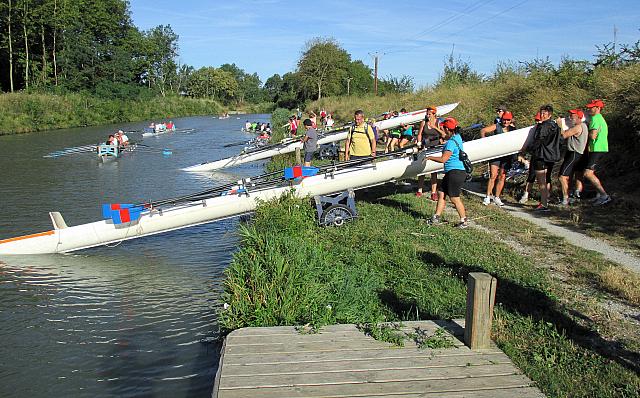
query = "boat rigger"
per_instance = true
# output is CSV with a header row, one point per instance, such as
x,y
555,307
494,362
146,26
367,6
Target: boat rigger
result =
x,y
291,144
241,198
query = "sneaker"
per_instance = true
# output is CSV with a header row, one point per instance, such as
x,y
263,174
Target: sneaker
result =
x,y
486,201
418,194
564,202
524,198
434,196
576,194
596,199
602,200
434,220
464,223
541,208
497,201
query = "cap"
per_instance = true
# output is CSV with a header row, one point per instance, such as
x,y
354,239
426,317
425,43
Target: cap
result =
x,y
594,103
449,123
501,107
431,108
537,117
507,116
577,112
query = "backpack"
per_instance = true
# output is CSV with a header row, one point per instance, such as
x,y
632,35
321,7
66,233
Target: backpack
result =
x,y
464,158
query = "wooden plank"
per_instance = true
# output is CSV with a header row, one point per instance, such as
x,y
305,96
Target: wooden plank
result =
x,y
449,386
363,364
380,354
367,376
519,392
288,330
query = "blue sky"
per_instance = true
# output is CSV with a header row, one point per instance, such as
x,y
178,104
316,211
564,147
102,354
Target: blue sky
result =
x,y
411,37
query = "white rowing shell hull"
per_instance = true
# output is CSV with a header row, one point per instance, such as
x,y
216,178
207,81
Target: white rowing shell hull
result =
x,y
237,160
217,208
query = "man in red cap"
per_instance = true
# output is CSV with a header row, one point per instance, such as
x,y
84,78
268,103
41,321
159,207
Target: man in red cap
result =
x,y
576,135
598,147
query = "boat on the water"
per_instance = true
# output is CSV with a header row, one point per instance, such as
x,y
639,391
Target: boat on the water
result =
x,y
156,132
130,221
291,144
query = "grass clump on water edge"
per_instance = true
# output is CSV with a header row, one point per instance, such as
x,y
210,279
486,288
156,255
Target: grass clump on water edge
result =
x,y
390,266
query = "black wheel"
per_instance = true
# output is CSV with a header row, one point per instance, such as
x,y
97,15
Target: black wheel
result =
x,y
336,215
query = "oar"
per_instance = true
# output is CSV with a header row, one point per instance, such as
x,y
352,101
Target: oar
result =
x,y
236,144
70,152
148,148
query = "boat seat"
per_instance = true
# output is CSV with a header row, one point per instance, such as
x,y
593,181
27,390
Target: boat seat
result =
x,y
57,220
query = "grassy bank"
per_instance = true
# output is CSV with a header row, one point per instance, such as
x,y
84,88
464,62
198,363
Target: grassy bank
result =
x,y
289,271
22,112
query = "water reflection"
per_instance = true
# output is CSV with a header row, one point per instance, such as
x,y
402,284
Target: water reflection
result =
x,y
138,319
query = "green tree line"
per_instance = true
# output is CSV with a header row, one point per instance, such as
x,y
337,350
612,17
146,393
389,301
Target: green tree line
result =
x,y
92,46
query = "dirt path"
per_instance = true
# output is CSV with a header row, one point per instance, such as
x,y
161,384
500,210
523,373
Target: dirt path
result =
x,y
575,238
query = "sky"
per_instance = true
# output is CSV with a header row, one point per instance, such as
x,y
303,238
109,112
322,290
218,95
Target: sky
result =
x,y
409,37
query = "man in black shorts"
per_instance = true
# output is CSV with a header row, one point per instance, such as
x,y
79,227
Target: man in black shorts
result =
x,y
545,150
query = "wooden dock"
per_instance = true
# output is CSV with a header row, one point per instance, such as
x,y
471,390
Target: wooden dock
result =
x,y
342,361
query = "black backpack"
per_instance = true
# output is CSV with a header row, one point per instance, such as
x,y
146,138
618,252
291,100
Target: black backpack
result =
x,y
464,158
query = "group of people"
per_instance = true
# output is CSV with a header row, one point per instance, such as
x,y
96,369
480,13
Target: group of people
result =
x,y
326,121
257,127
160,127
586,143
119,139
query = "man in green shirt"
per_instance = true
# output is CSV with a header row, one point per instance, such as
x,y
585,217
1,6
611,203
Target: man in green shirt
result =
x,y
598,147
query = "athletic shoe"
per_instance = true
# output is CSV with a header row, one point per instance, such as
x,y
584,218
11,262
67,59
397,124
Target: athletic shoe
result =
x,y
524,198
419,194
463,223
576,194
497,201
596,199
434,196
541,208
602,200
434,220
564,202
486,201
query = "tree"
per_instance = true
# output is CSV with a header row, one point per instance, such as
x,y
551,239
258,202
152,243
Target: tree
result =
x,y
400,85
209,82
161,49
248,84
361,78
457,72
273,87
323,67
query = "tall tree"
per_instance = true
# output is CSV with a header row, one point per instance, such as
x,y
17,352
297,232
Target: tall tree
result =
x,y
324,66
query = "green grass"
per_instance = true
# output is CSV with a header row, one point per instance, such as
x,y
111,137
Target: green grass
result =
x,y
390,266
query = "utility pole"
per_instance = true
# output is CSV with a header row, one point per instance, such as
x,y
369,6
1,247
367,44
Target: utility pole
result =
x,y
375,76
375,71
348,81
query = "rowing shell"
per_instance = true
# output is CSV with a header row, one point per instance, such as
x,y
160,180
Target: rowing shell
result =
x,y
64,239
290,146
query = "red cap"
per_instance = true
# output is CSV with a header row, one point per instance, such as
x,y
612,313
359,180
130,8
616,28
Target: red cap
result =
x,y
507,116
577,112
431,108
537,117
449,123
595,102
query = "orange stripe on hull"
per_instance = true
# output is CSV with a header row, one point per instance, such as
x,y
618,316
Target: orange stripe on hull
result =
x,y
27,237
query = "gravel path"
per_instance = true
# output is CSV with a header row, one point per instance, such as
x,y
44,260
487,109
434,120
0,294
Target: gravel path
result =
x,y
575,238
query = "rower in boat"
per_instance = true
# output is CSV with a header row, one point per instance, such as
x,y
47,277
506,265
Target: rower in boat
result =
x,y
122,139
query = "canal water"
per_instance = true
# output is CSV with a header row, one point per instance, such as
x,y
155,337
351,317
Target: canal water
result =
x,y
137,319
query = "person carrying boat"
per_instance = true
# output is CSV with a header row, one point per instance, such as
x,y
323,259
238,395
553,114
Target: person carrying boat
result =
x,y
406,136
293,126
598,147
576,136
545,152
313,117
455,174
310,141
498,167
329,122
429,135
361,141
